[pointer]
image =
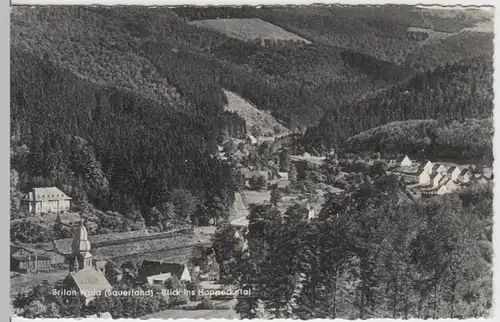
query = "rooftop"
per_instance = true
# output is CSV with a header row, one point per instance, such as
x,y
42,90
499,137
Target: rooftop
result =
x,y
89,281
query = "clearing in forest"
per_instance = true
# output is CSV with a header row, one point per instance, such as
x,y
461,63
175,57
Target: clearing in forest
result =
x,y
248,29
264,122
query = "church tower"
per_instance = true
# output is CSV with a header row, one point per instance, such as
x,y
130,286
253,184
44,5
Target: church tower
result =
x,y
80,251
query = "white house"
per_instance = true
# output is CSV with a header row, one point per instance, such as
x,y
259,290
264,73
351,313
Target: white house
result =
x,y
311,212
453,172
159,270
465,176
428,167
437,179
283,175
406,162
424,178
251,139
448,187
47,200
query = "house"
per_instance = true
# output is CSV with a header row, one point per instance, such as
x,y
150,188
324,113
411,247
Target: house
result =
x,y
465,176
424,179
158,270
251,139
283,175
488,173
405,161
428,167
83,277
46,200
267,175
24,260
311,212
447,187
453,172
436,179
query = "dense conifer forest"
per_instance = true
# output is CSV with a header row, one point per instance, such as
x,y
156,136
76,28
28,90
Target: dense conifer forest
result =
x,y
452,92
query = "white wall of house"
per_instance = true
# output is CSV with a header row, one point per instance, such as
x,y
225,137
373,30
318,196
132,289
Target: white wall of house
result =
x,y
424,178
455,174
428,167
465,178
442,190
311,214
49,206
436,179
406,162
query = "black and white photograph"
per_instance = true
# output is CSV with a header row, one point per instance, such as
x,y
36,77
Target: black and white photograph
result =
x,y
251,162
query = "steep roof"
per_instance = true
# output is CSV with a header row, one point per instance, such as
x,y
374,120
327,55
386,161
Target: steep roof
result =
x,y
150,268
464,172
89,280
23,254
46,194
451,169
402,157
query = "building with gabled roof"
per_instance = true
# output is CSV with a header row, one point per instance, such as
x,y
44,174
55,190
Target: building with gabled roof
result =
x,y
404,161
151,270
251,139
453,172
83,276
26,260
436,179
465,176
46,200
428,167
424,178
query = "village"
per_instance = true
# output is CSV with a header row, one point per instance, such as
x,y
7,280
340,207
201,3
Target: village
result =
x,y
182,259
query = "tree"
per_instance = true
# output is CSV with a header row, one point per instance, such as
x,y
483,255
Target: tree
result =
x,y
295,214
378,169
292,175
223,244
275,197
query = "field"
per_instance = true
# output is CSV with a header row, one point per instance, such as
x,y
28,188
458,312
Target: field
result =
x,y
257,197
248,29
262,121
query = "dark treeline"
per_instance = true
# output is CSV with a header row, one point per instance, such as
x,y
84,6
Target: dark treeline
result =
x,y
109,146
471,140
452,92
370,256
378,31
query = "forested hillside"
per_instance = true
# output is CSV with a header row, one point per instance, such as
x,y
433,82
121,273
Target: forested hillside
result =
x,y
371,257
453,92
378,31
107,145
139,92
93,117
471,140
